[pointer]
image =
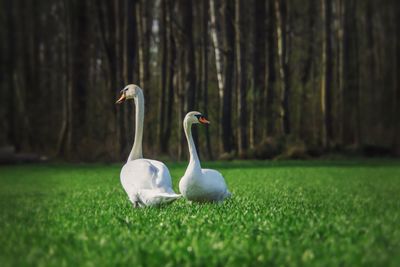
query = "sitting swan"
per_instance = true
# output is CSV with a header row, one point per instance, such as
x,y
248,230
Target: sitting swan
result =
x,y
147,182
202,185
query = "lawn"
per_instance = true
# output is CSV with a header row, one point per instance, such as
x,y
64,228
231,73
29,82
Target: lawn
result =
x,y
319,213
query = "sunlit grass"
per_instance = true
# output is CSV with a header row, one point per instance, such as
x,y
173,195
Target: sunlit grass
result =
x,y
282,213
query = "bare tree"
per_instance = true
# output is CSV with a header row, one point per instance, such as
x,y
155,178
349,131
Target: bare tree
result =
x,y
80,48
171,72
350,63
307,71
326,79
396,105
215,34
188,48
143,22
259,67
164,75
282,32
226,105
241,72
204,70
271,73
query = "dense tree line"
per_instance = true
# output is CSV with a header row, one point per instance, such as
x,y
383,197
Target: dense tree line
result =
x,y
273,76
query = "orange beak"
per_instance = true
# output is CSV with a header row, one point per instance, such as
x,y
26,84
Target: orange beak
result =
x,y
121,99
204,121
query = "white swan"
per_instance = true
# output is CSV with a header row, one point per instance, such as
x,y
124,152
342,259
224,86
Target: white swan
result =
x,y
147,182
202,185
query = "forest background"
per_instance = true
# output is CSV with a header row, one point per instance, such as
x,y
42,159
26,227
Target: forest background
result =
x,y
276,78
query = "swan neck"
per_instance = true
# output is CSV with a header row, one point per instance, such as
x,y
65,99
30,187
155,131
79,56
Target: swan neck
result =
x,y
194,162
137,152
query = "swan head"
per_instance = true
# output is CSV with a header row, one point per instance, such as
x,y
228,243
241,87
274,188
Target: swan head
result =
x,y
129,92
194,117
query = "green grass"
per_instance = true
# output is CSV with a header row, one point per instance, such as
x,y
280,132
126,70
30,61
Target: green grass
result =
x,y
319,213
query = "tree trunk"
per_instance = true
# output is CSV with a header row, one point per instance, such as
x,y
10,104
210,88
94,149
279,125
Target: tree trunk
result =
x,y
64,138
3,76
350,75
188,48
189,88
281,19
339,74
141,43
170,86
397,89
241,71
204,71
80,47
180,84
307,72
271,96
106,22
10,59
226,105
374,117
179,78
118,46
259,68
215,34
128,42
163,81
326,81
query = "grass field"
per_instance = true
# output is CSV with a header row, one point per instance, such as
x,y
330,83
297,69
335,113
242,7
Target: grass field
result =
x,y
319,213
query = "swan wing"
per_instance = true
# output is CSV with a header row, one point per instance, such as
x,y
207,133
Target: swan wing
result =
x,y
147,182
214,180
162,180
149,197
137,174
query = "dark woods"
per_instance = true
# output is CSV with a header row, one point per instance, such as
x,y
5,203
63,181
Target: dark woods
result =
x,y
286,78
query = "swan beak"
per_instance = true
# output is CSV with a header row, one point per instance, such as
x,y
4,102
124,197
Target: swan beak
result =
x,y
121,99
204,121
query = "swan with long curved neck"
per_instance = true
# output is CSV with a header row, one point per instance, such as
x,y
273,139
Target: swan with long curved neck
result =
x,y
197,184
147,182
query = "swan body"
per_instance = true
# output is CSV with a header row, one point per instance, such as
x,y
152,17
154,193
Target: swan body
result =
x,y
147,182
204,186
197,184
